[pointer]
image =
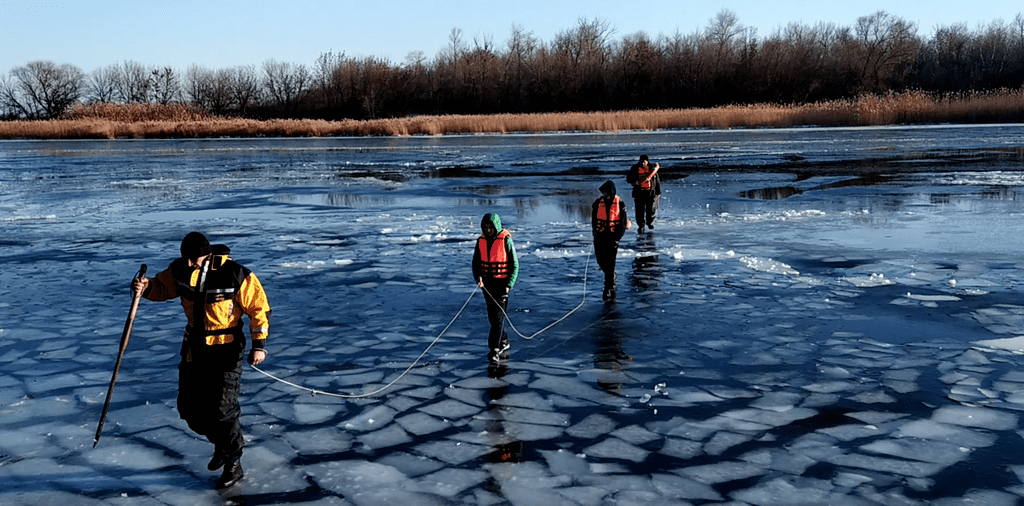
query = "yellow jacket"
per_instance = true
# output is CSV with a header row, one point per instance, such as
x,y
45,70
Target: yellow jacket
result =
x,y
230,291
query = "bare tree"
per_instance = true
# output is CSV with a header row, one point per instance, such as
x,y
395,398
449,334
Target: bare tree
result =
x,y
133,82
413,83
482,76
209,89
326,80
722,32
451,69
374,84
886,47
285,83
583,56
684,68
101,86
640,64
946,65
520,68
245,88
166,85
10,106
43,90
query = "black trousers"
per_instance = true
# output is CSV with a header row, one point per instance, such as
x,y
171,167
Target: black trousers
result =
x,y
497,302
208,389
646,207
606,247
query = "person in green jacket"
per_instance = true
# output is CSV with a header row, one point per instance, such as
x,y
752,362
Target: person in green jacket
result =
x,y
495,269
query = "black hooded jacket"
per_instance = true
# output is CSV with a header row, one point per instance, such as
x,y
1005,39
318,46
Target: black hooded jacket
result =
x,y
608,188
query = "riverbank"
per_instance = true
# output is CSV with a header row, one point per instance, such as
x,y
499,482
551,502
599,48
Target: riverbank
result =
x,y
137,121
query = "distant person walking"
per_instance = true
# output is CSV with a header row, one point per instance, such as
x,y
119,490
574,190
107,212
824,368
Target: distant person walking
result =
x,y
495,269
215,292
646,191
608,223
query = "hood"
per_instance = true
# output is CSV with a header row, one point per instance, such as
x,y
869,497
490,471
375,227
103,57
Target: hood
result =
x,y
493,219
608,187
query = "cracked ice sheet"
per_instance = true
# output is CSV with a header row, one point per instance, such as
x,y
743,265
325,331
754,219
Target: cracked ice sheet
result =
x,y
914,469
722,472
591,427
374,484
573,389
936,452
615,448
976,417
794,492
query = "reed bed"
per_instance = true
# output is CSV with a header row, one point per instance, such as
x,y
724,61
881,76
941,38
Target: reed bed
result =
x,y
109,121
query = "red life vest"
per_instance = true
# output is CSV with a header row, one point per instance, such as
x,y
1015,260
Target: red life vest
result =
x,y
607,216
643,173
494,263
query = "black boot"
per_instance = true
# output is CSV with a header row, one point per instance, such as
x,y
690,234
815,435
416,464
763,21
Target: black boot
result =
x,y
232,473
217,461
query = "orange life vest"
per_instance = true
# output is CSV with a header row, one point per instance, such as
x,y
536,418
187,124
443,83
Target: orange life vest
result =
x,y
643,173
494,263
607,216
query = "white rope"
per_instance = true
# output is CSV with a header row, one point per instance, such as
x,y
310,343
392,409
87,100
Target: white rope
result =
x,y
556,322
314,392
383,388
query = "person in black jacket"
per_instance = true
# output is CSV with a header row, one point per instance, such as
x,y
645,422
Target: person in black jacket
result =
x,y
646,191
608,223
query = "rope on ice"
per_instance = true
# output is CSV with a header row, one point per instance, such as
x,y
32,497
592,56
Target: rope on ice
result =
x,y
314,392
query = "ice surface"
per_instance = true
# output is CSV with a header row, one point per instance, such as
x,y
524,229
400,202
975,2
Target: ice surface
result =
x,y
130,457
420,424
450,409
452,452
724,440
682,448
844,345
795,492
369,483
451,482
887,465
976,417
790,462
919,449
615,448
722,472
1008,343
326,440
635,434
930,429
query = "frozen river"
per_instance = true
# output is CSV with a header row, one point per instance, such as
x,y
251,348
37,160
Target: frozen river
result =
x,y
822,316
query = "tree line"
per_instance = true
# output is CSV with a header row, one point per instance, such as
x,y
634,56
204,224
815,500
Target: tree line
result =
x,y
585,68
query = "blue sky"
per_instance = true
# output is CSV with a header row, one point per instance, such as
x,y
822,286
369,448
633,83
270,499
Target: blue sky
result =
x,y
217,34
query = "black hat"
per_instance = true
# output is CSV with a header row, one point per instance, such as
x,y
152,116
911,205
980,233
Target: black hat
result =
x,y
643,157
194,245
608,187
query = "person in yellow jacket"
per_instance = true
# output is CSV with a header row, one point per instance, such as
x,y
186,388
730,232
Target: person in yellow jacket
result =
x,y
215,292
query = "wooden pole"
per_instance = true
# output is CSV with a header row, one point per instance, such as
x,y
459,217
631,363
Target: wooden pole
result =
x,y
136,296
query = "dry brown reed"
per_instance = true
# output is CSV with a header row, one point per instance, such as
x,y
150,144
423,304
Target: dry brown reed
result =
x,y
108,121
134,113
